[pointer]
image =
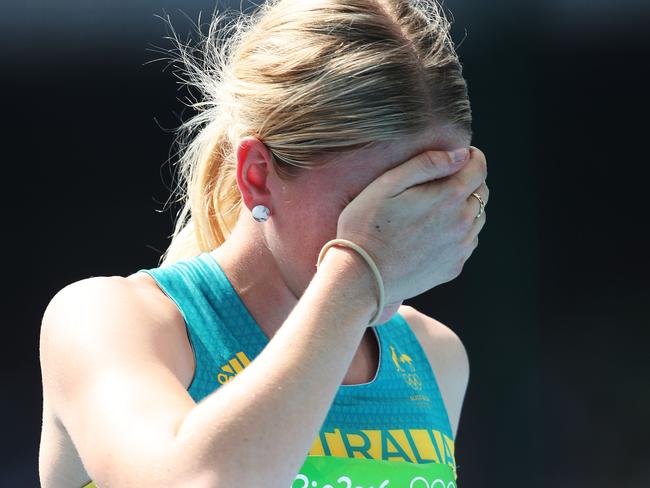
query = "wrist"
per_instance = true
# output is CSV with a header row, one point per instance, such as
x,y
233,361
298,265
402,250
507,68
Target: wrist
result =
x,y
353,276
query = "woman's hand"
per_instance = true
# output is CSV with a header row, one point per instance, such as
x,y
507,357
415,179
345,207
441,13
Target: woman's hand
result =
x,y
417,220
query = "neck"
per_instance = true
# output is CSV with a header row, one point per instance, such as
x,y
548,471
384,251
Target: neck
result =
x,y
254,274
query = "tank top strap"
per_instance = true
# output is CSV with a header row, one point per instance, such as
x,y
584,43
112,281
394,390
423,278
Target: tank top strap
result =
x,y
223,335
408,370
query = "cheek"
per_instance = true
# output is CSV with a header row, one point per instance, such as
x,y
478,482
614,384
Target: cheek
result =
x,y
311,213
318,215
314,226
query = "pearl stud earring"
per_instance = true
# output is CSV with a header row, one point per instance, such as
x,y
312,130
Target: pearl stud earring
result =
x,y
260,213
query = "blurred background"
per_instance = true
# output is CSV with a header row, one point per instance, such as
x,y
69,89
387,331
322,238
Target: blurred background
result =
x,y
552,307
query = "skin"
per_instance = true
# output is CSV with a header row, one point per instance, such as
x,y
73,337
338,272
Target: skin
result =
x,y
271,264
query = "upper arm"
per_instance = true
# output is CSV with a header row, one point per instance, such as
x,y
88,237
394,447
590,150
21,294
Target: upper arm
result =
x,y
448,359
105,361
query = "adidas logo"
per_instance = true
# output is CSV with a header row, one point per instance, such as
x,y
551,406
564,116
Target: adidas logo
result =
x,y
232,367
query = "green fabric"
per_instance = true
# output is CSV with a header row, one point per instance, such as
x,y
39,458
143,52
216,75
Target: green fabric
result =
x,y
335,472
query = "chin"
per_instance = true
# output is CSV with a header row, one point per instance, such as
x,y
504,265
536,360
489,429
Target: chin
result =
x,y
390,309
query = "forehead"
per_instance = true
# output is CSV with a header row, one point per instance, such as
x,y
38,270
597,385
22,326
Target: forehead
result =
x,y
352,171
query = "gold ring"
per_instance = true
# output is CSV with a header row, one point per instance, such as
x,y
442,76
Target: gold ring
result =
x,y
482,203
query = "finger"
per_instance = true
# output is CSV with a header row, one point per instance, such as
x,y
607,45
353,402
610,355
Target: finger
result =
x,y
425,167
471,241
478,222
482,191
461,184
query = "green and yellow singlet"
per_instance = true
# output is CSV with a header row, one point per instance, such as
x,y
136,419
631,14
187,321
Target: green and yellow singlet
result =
x,y
392,432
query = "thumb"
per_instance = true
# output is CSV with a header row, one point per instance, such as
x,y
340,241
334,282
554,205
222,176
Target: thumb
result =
x,y
426,166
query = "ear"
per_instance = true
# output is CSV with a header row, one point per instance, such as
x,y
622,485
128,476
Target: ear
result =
x,y
253,166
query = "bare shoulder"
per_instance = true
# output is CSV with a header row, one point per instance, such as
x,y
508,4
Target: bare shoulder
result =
x,y
98,298
102,310
113,317
447,356
110,347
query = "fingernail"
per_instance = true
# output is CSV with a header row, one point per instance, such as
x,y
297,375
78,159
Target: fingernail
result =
x,y
459,155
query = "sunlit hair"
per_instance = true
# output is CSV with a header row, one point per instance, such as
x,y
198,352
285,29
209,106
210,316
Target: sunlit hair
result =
x,y
308,78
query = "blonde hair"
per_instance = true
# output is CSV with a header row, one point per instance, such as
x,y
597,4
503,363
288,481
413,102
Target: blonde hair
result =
x,y
308,79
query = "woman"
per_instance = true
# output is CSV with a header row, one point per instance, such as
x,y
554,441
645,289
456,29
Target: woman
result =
x,y
261,353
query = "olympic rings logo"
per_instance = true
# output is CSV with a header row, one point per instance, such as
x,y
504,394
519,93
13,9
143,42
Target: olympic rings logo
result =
x,y
438,483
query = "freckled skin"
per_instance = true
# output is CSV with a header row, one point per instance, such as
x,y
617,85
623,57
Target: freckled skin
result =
x,y
273,262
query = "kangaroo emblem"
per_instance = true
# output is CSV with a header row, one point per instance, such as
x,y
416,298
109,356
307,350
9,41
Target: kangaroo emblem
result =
x,y
395,360
405,358
402,358
410,376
